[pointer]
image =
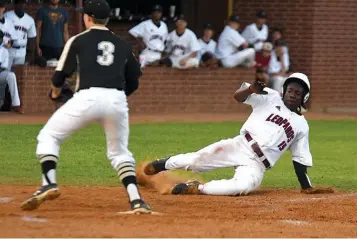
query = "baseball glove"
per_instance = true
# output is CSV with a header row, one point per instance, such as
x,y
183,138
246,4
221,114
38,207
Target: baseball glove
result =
x,y
317,190
65,95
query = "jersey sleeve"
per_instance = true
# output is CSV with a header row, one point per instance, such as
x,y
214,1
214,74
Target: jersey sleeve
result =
x,y
137,31
194,44
32,30
68,60
4,58
300,149
248,34
132,73
256,100
236,39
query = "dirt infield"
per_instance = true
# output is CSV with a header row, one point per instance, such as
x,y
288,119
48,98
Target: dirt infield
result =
x,y
12,118
92,212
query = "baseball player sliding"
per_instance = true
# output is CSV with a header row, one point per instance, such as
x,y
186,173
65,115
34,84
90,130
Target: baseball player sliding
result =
x,y
25,28
108,73
151,35
275,125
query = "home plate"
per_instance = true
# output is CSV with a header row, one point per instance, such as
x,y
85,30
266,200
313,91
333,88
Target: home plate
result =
x,y
137,213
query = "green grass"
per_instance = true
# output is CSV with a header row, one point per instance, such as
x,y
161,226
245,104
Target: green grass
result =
x,y
83,156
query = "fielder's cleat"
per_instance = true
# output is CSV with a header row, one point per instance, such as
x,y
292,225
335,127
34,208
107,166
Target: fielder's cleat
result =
x,y
190,187
156,166
140,207
48,192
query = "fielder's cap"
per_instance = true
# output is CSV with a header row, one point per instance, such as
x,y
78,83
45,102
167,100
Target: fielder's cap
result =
x,y
261,14
157,8
208,26
234,18
181,17
280,42
95,8
267,46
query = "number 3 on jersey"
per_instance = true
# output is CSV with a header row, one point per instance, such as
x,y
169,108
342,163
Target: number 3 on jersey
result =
x,y
107,57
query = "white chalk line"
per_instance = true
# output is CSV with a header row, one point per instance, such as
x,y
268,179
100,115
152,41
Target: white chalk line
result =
x,y
5,199
322,198
295,222
33,219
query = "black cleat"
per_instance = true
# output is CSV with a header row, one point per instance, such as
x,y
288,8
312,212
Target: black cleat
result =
x,y
156,166
190,187
140,207
48,192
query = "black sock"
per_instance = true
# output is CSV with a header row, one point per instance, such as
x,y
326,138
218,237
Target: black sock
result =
x,y
48,165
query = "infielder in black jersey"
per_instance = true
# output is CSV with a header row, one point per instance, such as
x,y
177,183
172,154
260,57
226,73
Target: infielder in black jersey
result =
x,y
107,72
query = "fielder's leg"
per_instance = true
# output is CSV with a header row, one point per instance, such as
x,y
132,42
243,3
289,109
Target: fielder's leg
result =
x,y
73,115
245,57
116,126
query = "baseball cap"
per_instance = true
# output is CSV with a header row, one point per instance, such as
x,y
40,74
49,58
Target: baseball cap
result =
x,y
208,26
181,17
261,14
3,3
234,18
157,8
20,1
95,8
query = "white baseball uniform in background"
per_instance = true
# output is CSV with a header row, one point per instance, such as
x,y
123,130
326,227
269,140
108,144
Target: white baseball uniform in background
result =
x,y
227,49
255,36
25,28
154,38
9,31
9,77
272,125
206,47
182,46
277,82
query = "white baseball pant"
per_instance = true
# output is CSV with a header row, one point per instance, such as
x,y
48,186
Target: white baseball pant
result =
x,y
108,107
10,78
277,83
236,152
147,57
13,61
191,63
244,58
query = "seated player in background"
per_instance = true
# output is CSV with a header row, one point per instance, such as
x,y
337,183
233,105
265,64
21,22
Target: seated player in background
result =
x,y
274,126
257,33
232,48
278,66
207,55
151,35
182,47
9,77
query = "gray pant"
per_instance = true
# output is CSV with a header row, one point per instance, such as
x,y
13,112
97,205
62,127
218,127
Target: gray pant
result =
x,y
9,78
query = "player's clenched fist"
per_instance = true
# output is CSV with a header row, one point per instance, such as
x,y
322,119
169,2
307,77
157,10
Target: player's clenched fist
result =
x,y
259,84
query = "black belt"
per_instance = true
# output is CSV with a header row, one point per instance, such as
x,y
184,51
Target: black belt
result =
x,y
18,47
258,151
